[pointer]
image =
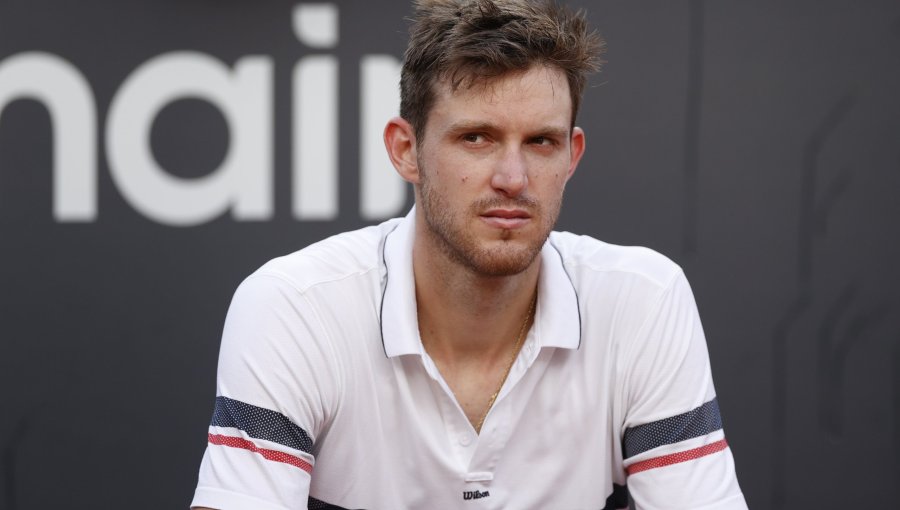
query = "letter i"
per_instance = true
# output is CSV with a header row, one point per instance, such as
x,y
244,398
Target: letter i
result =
x,y
315,113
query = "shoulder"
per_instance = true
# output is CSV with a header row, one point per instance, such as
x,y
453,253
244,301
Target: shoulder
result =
x,y
341,257
589,259
296,307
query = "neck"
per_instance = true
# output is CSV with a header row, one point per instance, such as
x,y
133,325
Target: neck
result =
x,y
465,316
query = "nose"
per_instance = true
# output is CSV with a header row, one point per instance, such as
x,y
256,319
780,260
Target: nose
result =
x,y
511,174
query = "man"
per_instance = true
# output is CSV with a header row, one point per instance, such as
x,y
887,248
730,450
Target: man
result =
x,y
465,356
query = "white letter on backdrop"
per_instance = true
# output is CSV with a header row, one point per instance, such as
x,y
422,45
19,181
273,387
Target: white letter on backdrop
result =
x,y
383,192
66,94
242,183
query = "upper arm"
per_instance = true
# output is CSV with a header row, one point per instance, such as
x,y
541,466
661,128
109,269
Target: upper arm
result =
x,y
674,447
275,391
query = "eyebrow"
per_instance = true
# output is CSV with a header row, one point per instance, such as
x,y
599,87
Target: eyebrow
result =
x,y
465,126
459,127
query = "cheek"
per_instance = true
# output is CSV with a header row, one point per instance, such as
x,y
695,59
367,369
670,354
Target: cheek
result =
x,y
548,180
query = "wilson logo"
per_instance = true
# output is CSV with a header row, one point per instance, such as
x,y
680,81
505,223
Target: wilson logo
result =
x,y
475,494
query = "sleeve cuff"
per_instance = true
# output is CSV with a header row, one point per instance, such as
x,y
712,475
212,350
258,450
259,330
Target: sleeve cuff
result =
x,y
219,499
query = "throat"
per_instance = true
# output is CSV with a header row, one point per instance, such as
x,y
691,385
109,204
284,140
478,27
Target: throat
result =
x,y
476,376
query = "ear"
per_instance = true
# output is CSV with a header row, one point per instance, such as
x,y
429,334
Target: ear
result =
x,y
576,148
400,142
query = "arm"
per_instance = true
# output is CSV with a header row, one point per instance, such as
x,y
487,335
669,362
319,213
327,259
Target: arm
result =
x,y
274,388
674,447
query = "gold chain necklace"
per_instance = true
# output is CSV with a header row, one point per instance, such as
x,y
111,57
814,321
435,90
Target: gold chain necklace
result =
x,y
512,360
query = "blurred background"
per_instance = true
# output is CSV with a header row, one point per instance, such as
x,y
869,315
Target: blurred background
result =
x,y
154,153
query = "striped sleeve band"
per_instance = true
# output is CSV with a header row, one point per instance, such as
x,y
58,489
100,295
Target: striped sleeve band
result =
x,y
258,423
704,420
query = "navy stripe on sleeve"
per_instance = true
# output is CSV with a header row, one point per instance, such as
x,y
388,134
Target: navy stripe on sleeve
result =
x,y
260,423
694,423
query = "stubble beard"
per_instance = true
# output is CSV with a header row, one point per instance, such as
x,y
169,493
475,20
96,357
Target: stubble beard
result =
x,y
447,229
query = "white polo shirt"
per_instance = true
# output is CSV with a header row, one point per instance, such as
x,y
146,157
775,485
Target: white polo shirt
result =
x,y
327,398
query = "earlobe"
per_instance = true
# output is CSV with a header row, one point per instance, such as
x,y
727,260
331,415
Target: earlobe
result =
x,y
400,142
577,146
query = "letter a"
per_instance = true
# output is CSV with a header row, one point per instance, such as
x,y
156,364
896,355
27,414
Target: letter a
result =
x,y
243,183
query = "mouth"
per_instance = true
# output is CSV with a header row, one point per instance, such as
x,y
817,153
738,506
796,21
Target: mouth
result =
x,y
506,218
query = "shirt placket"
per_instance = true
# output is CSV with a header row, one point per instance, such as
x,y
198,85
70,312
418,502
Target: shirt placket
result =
x,y
478,455
497,427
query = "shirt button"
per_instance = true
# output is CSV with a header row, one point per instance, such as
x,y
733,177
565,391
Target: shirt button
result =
x,y
465,439
479,476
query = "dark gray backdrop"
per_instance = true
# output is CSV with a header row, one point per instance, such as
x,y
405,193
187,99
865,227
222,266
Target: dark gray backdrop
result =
x,y
755,143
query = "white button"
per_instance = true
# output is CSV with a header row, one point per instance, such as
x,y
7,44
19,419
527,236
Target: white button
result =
x,y
465,439
479,476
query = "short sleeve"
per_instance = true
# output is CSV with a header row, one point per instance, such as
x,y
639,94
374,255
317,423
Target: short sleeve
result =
x,y
674,447
276,384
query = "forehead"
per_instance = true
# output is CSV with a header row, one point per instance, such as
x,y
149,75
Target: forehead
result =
x,y
539,96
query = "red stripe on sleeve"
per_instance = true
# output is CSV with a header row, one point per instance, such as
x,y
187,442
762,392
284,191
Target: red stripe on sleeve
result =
x,y
676,458
238,442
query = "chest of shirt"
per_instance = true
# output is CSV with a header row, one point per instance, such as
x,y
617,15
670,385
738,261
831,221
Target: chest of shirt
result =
x,y
400,440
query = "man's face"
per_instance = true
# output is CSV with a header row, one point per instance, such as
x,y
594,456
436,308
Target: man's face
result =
x,y
492,168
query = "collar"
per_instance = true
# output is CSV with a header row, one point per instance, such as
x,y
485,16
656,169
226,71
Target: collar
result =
x,y
557,320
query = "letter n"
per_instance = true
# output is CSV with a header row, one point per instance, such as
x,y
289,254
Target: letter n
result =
x,y
68,98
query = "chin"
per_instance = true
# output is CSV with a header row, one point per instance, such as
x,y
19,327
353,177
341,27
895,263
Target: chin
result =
x,y
503,260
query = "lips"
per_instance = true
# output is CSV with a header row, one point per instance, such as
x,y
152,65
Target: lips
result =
x,y
506,218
